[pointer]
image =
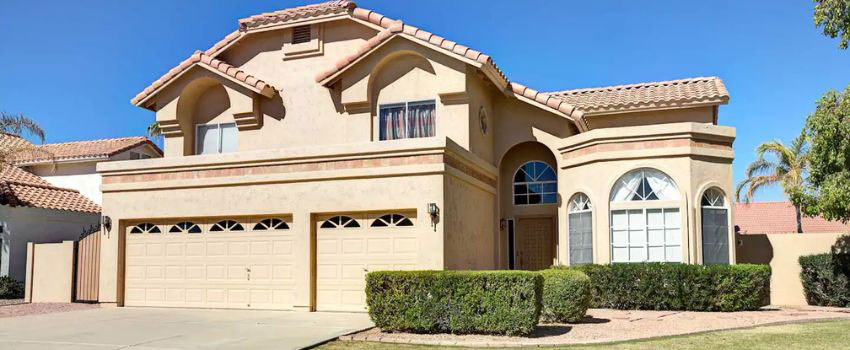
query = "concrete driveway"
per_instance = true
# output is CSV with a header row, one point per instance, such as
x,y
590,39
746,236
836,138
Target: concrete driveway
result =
x,y
149,328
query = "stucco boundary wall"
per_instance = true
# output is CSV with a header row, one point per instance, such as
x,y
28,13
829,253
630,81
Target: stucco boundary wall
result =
x,y
782,252
50,272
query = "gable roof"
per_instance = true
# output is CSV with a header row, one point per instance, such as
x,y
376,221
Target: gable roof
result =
x,y
20,188
636,97
295,13
780,217
81,150
206,61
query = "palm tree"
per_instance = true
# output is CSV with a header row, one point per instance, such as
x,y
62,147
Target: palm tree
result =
x,y
15,126
154,131
788,169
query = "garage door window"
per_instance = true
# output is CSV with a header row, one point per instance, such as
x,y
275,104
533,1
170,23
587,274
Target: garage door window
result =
x,y
227,226
392,220
145,228
340,222
185,227
271,224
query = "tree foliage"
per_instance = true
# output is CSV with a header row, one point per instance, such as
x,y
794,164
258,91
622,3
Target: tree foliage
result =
x,y
834,17
828,130
15,126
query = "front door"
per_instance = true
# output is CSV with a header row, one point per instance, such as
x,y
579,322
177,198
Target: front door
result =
x,y
535,243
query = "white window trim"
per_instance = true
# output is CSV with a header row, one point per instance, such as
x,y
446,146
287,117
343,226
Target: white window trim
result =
x,y
218,126
513,183
646,229
406,104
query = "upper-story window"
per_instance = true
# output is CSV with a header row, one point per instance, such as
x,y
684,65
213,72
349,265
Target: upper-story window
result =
x,y
216,138
407,120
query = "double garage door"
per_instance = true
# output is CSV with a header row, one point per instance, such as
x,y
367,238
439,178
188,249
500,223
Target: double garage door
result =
x,y
249,262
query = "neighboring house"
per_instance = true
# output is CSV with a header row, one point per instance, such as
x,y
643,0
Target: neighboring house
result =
x,y
34,210
317,143
780,217
73,164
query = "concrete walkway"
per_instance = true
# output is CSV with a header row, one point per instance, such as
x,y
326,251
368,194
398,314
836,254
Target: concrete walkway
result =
x,y
148,328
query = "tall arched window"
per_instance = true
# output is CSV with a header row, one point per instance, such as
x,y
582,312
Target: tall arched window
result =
x,y
715,227
535,182
645,218
580,229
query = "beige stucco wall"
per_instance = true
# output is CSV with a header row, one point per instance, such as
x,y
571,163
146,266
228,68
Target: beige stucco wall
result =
x,y
470,233
705,114
782,252
50,272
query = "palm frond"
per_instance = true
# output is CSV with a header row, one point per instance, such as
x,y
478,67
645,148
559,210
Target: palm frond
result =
x,y
154,130
18,124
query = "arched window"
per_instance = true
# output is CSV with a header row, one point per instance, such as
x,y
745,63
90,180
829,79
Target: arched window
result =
x,y
715,227
226,226
185,227
535,182
580,215
645,218
392,220
340,222
145,228
271,224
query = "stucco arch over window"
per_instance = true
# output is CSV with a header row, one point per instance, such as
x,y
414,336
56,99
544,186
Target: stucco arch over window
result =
x,y
580,216
535,182
714,212
646,218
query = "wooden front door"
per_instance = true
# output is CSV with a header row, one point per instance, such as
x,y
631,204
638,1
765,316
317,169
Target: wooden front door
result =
x,y
535,243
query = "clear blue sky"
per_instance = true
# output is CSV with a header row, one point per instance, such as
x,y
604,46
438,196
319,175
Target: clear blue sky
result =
x,y
74,65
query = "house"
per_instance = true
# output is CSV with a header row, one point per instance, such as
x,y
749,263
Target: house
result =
x,y
34,210
73,163
316,143
780,217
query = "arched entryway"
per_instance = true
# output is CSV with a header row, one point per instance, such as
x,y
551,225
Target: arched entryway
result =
x,y
529,206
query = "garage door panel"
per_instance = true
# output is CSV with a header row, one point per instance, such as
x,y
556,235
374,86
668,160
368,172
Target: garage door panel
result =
x,y
237,269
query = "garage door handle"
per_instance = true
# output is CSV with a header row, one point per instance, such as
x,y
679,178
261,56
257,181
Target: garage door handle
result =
x,y
249,273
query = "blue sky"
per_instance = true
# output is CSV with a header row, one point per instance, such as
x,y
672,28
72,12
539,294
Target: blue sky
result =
x,y
74,65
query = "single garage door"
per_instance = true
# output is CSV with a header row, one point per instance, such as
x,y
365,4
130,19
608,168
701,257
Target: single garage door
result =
x,y
222,263
350,245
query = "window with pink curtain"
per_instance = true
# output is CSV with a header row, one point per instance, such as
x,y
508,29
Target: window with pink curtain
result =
x,y
407,120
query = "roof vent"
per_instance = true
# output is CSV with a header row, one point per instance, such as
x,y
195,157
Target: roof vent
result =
x,y
301,34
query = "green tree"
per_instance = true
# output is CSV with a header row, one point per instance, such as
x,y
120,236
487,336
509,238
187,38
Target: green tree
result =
x,y
778,164
154,131
828,129
16,126
834,17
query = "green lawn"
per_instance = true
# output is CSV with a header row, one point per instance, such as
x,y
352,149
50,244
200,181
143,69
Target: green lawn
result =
x,y
820,335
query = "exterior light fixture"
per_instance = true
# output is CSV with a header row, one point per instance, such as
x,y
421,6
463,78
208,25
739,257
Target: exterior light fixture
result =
x,y
106,222
433,210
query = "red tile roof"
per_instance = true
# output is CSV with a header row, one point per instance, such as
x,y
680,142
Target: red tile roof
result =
x,y
291,14
780,217
673,93
84,149
204,60
19,188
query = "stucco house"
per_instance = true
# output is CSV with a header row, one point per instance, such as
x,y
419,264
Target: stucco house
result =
x,y
316,143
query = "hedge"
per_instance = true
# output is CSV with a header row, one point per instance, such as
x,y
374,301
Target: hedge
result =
x,y
666,286
826,279
10,288
487,302
566,295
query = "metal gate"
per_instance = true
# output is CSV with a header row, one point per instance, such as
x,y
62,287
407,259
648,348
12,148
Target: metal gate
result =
x,y
87,266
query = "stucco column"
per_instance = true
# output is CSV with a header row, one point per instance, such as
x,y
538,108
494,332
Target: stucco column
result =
x,y
302,269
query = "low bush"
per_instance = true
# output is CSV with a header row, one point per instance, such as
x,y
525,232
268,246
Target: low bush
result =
x,y
826,281
10,288
488,302
566,295
665,286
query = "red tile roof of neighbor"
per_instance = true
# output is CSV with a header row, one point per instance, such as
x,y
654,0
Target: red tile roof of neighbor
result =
x,y
79,150
572,103
780,217
20,188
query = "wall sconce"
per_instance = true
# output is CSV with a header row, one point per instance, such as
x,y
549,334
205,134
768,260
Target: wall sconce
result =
x,y
434,211
106,222
502,224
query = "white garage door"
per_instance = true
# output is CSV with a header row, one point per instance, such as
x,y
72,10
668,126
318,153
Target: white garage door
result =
x,y
225,263
350,245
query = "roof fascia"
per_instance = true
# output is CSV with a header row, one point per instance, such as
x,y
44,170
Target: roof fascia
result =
x,y
611,111
269,92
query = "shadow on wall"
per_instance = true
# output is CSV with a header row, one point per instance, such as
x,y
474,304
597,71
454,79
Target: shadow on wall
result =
x,y
754,249
841,254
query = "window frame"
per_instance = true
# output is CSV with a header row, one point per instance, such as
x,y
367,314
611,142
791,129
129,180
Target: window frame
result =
x,y
406,105
726,212
570,213
542,193
220,137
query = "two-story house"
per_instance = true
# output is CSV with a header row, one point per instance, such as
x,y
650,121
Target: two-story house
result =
x,y
316,143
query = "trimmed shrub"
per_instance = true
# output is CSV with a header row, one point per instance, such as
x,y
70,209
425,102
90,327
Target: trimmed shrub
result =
x,y
665,286
488,302
826,281
10,288
566,295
